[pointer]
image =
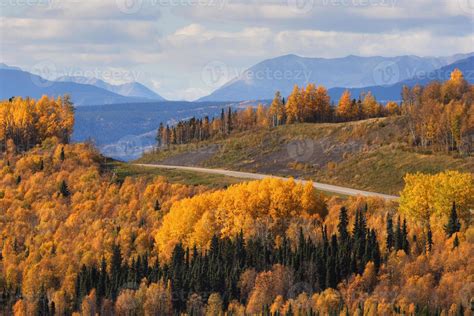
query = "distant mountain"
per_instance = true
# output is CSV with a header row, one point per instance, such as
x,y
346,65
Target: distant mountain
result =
x,y
282,73
5,66
132,89
393,92
15,82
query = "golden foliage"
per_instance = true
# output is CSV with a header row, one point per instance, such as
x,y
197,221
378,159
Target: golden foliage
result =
x,y
47,238
28,122
425,195
242,207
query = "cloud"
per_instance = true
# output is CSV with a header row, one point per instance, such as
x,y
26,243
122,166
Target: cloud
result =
x,y
82,9
339,15
171,43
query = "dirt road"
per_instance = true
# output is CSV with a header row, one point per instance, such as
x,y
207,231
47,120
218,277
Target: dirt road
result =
x,y
257,176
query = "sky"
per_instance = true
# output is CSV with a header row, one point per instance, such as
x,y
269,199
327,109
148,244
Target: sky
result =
x,y
172,46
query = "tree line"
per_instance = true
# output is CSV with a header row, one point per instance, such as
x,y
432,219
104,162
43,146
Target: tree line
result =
x,y
234,272
25,123
440,115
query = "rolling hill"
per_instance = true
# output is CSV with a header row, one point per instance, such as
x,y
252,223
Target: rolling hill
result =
x,y
367,155
125,131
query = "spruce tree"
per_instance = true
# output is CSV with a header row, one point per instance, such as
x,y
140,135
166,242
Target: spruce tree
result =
x,y
405,244
63,189
223,121
342,226
456,242
453,226
389,240
398,235
62,156
43,303
157,206
429,239
229,120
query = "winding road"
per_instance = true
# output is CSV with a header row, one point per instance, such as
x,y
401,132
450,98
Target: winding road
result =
x,y
258,176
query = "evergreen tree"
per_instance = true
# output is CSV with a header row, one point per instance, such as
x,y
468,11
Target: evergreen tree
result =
x,y
429,238
390,239
456,242
43,303
405,244
398,235
223,128
453,226
229,121
115,272
157,206
342,226
64,189
331,269
62,156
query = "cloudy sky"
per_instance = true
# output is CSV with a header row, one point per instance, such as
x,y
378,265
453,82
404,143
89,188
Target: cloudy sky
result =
x,y
170,45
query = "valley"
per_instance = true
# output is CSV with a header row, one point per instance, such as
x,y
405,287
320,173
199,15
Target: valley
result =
x,y
236,158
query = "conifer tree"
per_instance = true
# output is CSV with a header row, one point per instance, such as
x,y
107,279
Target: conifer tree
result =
x,y
62,156
405,244
342,225
43,303
229,125
64,189
389,240
453,226
456,242
398,235
157,206
429,238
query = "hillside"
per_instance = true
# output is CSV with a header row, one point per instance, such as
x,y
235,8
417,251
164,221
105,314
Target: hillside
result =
x,y
81,233
369,155
282,73
125,131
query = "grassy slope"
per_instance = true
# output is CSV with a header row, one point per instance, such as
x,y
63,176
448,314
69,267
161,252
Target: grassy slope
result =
x,y
123,170
369,155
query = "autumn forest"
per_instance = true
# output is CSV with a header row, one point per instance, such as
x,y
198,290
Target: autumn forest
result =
x,y
78,240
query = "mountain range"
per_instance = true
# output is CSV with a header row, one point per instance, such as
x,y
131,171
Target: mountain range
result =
x,y
131,89
282,73
393,92
83,91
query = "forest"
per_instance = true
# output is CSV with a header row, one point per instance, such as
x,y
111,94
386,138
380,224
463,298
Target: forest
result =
x,y
75,240
440,115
